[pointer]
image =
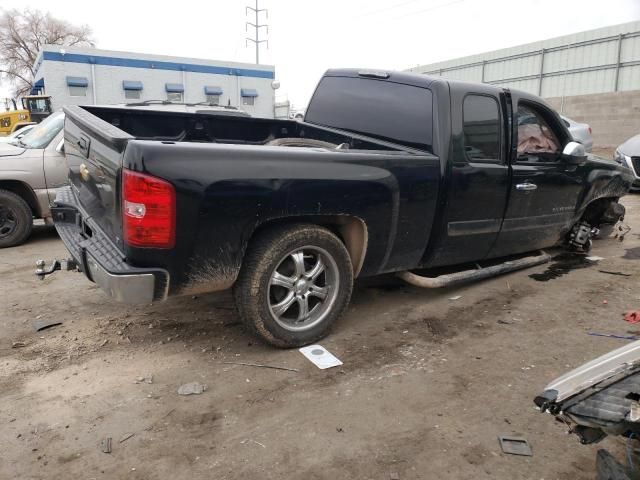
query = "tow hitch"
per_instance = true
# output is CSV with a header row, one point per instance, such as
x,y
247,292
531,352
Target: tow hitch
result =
x,y
68,264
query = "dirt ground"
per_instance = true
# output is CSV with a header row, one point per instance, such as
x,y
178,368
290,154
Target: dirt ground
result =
x,y
427,385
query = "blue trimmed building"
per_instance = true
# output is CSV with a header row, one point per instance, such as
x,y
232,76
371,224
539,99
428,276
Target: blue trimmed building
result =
x,y
83,76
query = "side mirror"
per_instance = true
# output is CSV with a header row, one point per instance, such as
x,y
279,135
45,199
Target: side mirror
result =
x,y
60,147
574,153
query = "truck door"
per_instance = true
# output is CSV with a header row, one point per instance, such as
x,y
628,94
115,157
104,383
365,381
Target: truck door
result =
x,y
478,178
544,188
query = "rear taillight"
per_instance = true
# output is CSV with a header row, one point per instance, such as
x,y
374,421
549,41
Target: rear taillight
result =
x,y
590,131
148,211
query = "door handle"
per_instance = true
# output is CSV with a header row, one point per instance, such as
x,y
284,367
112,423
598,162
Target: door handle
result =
x,y
526,186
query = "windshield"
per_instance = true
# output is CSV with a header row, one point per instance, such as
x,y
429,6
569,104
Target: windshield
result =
x,y
41,135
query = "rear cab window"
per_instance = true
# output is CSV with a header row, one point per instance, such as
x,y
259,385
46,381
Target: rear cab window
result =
x,y
481,128
377,108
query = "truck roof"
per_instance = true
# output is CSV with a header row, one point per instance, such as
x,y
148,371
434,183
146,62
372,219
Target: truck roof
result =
x,y
416,79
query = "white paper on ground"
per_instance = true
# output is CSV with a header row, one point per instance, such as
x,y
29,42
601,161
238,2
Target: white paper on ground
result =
x,y
457,297
594,258
320,356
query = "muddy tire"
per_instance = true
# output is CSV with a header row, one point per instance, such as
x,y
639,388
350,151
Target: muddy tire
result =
x,y
16,219
294,283
300,142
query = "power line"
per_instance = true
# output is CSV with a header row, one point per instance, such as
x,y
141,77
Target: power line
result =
x,y
257,26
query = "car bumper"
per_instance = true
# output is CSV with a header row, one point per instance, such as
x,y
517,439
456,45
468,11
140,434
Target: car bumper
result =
x,y
100,260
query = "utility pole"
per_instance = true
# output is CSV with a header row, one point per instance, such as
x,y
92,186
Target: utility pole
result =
x,y
257,26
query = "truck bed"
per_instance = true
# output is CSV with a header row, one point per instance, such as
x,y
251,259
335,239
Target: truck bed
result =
x,y
229,185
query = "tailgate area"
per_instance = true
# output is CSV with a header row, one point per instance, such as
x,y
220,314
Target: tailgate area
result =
x,y
100,260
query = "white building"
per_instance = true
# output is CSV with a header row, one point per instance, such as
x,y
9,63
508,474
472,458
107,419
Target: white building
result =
x,y
83,76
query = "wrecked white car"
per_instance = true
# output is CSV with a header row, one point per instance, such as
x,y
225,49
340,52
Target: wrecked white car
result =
x,y
599,398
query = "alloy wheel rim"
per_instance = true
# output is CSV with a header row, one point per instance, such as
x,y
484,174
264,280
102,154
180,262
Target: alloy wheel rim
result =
x,y
8,222
303,288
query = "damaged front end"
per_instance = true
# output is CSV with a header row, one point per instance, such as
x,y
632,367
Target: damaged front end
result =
x,y
600,220
600,398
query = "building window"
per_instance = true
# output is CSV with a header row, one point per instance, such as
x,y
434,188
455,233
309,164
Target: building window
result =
x,y
132,94
77,86
481,128
175,92
77,91
213,99
132,89
248,96
212,94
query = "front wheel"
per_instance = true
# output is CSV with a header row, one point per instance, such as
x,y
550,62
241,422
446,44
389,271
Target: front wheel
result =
x,y
294,283
16,219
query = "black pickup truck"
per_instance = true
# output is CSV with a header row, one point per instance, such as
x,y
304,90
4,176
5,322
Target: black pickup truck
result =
x,y
388,172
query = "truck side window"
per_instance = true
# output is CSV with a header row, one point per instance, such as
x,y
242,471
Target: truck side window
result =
x,y
535,137
481,128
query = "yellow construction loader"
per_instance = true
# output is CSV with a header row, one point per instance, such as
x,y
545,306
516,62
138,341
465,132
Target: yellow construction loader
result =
x,y
34,109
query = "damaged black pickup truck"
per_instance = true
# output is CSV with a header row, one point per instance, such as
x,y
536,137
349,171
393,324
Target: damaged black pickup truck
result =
x,y
388,172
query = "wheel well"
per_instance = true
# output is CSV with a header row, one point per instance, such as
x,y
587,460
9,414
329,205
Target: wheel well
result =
x,y
24,191
351,230
596,209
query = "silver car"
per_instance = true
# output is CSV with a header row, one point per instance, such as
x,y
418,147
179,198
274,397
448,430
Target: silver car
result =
x,y
17,135
581,132
629,154
31,168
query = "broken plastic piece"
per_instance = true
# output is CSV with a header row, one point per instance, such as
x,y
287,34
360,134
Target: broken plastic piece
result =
x,y
515,445
320,356
632,316
40,325
105,445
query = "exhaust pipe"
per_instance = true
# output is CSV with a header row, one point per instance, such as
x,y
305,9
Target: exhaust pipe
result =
x,y
471,275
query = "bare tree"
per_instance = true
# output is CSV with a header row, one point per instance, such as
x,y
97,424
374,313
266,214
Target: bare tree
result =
x,y
23,34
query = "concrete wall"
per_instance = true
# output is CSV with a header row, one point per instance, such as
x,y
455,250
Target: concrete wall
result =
x,y
614,117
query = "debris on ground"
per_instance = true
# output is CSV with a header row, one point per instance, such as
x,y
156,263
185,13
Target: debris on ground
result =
x,y
594,258
247,364
193,388
615,273
18,344
456,297
611,335
515,445
105,445
40,325
320,356
145,379
125,437
632,316
246,440
605,302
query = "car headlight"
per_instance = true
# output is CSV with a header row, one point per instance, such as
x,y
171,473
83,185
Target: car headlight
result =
x,y
621,158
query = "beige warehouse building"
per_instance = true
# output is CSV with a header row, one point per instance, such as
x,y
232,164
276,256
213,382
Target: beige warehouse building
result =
x,y
591,76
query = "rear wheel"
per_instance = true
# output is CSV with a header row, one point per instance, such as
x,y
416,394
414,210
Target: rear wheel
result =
x,y
294,283
16,219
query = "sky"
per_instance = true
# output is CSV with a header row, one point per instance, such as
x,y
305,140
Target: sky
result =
x,y
306,38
